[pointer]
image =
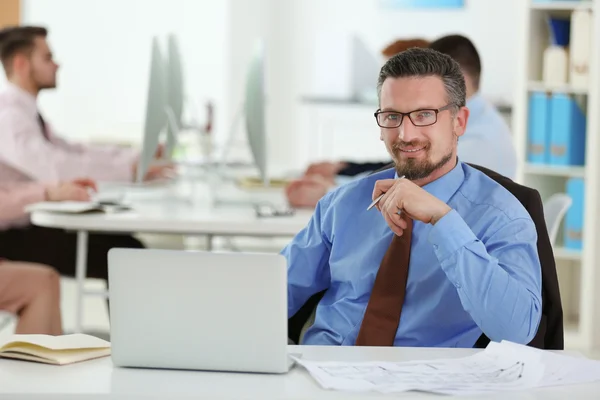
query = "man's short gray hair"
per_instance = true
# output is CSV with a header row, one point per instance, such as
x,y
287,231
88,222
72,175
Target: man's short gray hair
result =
x,y
422,62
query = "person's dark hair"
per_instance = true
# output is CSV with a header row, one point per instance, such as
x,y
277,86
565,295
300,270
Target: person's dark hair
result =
x,y
418,62
463,51
19,39
400,45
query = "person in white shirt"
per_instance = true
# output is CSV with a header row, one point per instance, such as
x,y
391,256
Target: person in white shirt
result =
x,y
487,141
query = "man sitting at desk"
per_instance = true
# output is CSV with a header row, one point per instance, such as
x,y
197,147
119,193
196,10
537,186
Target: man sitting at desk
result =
x,y
30,149
32,155
447,255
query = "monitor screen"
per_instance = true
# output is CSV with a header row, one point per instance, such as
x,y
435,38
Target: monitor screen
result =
x,y
156,116
255,110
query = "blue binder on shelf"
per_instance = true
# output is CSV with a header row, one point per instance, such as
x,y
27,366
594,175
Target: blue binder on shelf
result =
x,y
573,226
567,131
538,142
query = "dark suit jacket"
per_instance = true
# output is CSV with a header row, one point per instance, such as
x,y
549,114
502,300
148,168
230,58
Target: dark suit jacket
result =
x,y
550,333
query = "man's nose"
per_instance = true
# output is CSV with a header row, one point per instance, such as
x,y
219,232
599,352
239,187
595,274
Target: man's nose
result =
x,y
407,130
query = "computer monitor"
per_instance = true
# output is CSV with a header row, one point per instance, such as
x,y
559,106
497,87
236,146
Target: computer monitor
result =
x,y
175,94
156,105
255,110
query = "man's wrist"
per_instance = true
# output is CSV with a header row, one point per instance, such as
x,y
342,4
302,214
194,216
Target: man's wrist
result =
x,y
441,214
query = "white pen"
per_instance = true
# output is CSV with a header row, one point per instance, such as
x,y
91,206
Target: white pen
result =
x,y
379,198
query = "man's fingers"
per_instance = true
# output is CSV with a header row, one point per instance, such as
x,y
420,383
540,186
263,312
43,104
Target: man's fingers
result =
x,y
395,228
396,224
399,220
81,194
85,182
381,187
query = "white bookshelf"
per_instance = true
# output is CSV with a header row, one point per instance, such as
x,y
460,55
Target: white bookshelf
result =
x,y
552,170
563,5
578,271
535,86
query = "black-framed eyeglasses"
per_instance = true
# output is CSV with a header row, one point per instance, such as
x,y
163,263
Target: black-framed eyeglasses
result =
x,y
421,117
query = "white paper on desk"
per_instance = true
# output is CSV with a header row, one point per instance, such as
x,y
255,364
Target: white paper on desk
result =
x,y
561,369
500,367
488,371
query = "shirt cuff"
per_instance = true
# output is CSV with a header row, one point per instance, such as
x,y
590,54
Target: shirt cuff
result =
x,y
450,234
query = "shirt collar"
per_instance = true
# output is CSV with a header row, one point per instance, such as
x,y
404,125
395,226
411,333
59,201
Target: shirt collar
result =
x,y
23,97
444,187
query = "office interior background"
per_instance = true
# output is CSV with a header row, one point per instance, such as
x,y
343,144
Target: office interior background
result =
x,y
317,104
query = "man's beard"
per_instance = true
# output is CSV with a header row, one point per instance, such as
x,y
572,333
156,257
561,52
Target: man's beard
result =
x,y
413,169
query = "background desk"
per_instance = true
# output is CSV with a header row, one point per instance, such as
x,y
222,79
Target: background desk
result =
x,y
175,211
98,379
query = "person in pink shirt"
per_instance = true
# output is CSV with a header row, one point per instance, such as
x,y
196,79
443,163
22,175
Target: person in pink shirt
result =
x,y
31,291
30,147
31,155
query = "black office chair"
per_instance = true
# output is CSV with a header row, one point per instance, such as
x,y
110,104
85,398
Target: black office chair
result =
x,y
550,333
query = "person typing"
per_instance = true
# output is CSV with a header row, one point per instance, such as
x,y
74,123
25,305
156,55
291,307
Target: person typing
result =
x,y
30,148
447,255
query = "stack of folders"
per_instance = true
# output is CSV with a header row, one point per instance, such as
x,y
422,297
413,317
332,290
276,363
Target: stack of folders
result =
x,y
557,126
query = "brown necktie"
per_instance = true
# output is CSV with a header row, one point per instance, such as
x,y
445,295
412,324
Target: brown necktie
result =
x,y
382,316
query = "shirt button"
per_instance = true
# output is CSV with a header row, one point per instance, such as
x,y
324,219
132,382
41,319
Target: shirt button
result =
x,y
435,246
457,285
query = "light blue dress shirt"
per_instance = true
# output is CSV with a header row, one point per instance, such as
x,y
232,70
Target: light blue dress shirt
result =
x,y
487,140
476,270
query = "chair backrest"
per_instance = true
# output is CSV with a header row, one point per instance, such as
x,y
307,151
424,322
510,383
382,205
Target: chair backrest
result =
x,y
555,208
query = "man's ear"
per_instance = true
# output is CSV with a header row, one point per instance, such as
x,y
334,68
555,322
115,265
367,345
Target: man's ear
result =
x,y
460,121
19,62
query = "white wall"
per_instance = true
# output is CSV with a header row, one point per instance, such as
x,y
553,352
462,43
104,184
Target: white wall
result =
x,y
104,51
489,24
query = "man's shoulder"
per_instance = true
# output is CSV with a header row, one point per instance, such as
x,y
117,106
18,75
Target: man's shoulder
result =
x,y
480,190
8,101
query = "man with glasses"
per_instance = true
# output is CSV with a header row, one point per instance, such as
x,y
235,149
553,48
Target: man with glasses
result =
x,y
487,141
447,255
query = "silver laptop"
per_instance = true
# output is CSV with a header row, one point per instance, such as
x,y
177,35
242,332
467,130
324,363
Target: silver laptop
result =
x,y
198,310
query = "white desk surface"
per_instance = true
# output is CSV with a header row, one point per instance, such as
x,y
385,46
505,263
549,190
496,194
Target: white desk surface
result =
x,y
98,379
171,213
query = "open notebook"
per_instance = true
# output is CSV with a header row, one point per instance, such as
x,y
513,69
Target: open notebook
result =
x,y
75,207
58,350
